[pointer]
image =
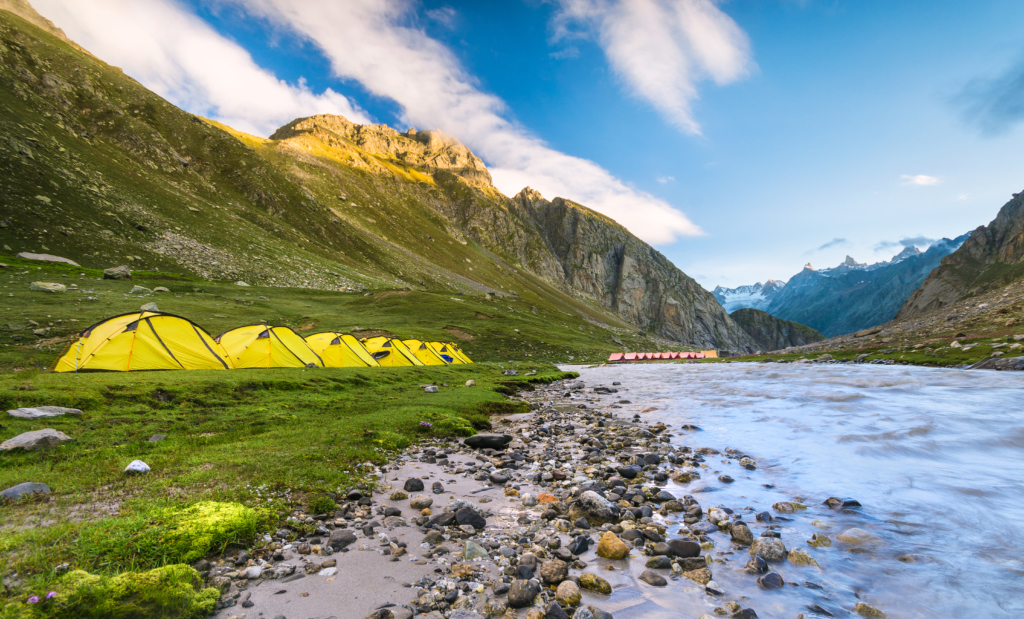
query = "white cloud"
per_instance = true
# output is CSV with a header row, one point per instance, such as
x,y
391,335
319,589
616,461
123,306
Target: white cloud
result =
x,y
962,197
372,42
665,179
662,48
922,180
183,59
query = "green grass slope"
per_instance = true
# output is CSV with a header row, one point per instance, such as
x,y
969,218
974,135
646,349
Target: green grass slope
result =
x,y
102,171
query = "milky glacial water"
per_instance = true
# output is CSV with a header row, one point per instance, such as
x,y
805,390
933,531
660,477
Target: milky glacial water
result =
x,y
935,456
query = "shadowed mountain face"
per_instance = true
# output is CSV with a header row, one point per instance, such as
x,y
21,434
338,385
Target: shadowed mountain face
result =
x,y
98,169
992,257
771,333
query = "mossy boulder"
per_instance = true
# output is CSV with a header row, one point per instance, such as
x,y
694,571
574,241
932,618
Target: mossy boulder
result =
x,y
171,592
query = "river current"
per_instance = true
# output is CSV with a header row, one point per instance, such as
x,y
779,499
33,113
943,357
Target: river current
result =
x,y
934,456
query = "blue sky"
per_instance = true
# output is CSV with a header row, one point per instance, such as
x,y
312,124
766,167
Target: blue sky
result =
x,y
743,138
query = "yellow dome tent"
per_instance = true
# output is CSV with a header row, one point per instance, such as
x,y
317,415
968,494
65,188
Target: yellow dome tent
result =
x,y
390,352
143,341
447,352
261,346
425,353
457,352
341,351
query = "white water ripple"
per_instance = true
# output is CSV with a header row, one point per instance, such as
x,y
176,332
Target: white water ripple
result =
x,y
935,456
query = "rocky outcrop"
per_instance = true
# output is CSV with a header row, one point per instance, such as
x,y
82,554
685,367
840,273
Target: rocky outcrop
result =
x,y
428,150
602,261
992,257
771,333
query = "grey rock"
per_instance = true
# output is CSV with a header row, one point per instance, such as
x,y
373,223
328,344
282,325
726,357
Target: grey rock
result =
x,y
469,516
756,565
659,563
156,438
554,611
522,593
554,571
341,538
488,441
150,307
430,389
653,579
121,272
39,412
25,489
771,580
413,485
420,502
136,289
998,363
595,508
768,548
36,440
684,548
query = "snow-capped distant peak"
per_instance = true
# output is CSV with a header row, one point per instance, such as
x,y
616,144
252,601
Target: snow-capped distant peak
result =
x,y
906,253
757,296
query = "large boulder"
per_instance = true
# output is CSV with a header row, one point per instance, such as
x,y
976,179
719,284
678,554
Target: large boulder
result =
x,y
121,272
47,287
26,489
36,439
595,508
611,547
488,441
768,548
39,412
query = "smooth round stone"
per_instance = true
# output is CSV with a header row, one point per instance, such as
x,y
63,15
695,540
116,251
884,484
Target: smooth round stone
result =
x,y
655,580
771,580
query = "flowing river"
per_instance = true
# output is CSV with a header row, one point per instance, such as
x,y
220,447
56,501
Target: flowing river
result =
x,y
934,456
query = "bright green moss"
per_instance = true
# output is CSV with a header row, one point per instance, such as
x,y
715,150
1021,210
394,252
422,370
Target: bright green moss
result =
x,y
208,526
172,591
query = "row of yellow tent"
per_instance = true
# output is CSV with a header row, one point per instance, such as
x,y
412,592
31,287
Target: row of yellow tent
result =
x,y
159,341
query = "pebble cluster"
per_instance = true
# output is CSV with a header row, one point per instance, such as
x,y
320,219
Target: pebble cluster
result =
x,y
575,492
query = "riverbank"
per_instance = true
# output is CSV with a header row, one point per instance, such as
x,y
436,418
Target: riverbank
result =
x,y
593,506
228,454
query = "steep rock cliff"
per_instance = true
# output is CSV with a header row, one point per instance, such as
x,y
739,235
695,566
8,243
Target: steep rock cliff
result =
x,y
602,260
992,257
771,333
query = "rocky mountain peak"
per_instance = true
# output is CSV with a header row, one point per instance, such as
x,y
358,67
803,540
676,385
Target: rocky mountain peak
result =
x,y
528,194
431,150
906,253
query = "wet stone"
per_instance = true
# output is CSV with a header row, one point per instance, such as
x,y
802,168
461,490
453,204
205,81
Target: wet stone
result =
x,y
653,579
771,580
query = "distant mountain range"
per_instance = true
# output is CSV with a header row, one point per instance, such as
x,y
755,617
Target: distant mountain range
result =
x,y
845,298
